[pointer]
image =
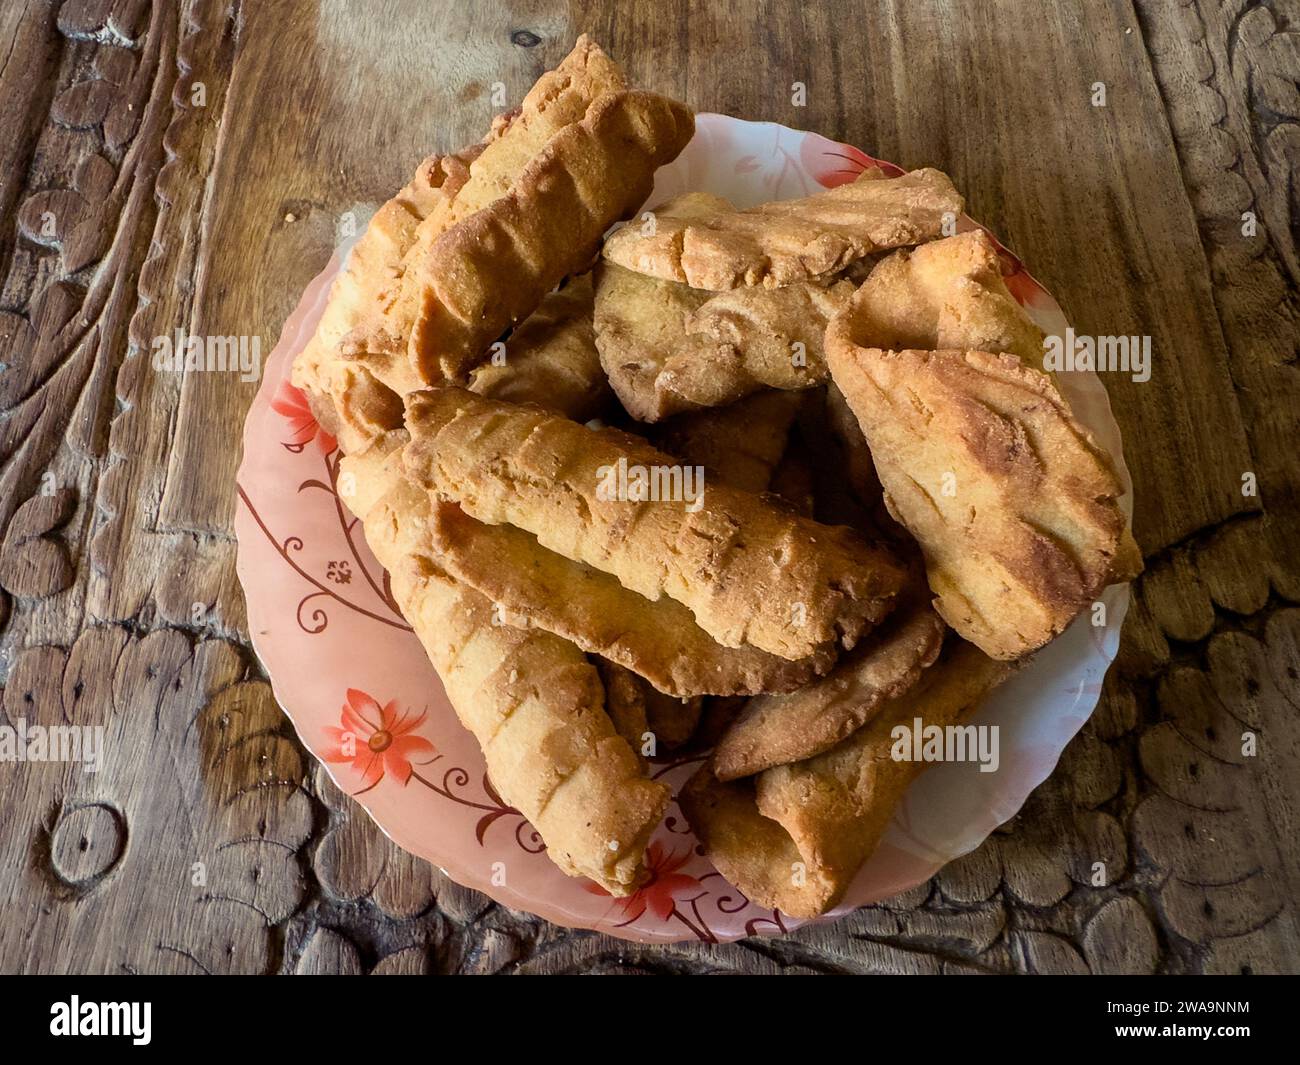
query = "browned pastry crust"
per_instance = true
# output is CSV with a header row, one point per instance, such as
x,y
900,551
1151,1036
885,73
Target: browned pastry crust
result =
x,y
657,639
560,98
625,704
777,729
1013,504
741,443
643,715
346,393
795,836
751,851
669,348
947,295
950,295
750,571
791,240
492,268
532,700
357,367
551,359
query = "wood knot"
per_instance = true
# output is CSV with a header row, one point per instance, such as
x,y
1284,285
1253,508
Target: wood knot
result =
x,y
87,843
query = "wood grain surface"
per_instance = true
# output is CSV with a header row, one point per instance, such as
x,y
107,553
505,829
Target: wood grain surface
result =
x,y
168,165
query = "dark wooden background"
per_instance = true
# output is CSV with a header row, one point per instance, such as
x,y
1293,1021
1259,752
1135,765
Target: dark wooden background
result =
x,y
131,207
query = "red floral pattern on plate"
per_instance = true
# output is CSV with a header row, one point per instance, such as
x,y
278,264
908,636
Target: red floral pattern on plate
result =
x,y
376,741
291,404
325,625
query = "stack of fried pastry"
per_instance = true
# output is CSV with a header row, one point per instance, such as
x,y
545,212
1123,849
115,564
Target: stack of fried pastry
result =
x,y
868,501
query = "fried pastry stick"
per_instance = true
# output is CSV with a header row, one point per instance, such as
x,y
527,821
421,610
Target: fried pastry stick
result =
x,y
657,639
787,241
559,99
946,295
492,268
356,368
795,836
531,699
750,571
551,359
349,396
778,729
668,348
1013,504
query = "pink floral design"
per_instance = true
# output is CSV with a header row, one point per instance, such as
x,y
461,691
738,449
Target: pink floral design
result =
x,y
290,403
659,894
376,740
831,163
1023,288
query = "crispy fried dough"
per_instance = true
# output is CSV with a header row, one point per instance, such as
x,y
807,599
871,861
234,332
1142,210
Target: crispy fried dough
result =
x,y
795,836
947,295
657,639
777,729
790,240
532,700
492,268
641,713
551,359
1012,502
741,444
751,851
668,348
559,98
751,572
625,704
347,396
379,339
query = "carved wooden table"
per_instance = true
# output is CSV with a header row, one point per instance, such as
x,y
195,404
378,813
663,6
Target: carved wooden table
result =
x,y
169,166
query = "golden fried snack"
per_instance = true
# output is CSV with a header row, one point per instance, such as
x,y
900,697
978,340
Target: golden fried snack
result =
x,y
949,295
532,700
795,836
346,395
741,443
378,338
551,358
778,729
640,713
625,704
656,639
946,295
1012,502
560,98
780,243
668,348
751,572
492,268
751,851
